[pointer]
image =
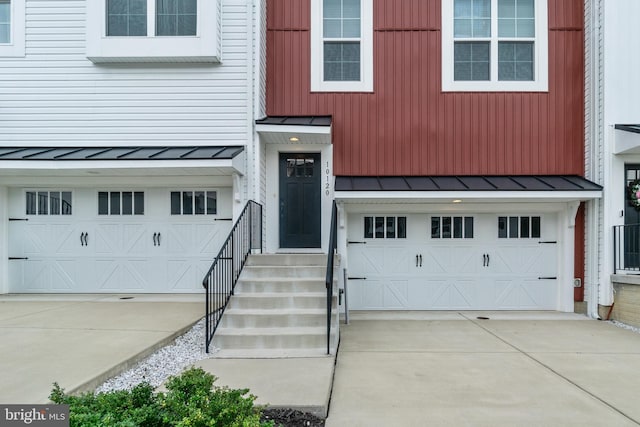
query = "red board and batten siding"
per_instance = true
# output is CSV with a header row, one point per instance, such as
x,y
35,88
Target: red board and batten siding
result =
x,y
408,126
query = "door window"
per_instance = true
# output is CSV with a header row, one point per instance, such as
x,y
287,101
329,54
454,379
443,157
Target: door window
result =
x,y
385,227
199,202
452,227
120,203
48,202
518,227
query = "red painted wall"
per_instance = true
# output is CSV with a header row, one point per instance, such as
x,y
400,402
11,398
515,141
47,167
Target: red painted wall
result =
x,y
407,126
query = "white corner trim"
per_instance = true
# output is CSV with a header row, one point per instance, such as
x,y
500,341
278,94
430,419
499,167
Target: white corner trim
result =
x,y
541,60
366,52
16,47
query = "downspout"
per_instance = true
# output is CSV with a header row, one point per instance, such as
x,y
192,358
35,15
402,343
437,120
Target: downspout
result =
x,y
594,249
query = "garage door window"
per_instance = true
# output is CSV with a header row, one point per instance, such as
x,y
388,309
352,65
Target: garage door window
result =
x,y
519,227
120,203
48,203
194,203
452,227
385,227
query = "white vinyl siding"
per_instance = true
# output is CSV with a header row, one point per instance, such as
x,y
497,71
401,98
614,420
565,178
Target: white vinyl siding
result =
x,y
56,97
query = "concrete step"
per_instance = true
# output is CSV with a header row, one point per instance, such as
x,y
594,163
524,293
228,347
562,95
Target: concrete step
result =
x,y
259,318
271,338
280,300
270,353
288,259
299,271
279,284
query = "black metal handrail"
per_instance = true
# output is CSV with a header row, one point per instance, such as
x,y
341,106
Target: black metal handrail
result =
x,y
220,281
331,250
626,247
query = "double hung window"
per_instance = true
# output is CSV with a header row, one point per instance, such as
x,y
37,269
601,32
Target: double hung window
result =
x,y
495,45
5,21
12,28
169,17
342,45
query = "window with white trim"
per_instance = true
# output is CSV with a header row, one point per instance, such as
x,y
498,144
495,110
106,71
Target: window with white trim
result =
x,y
452,227
120,203
519,227
5,21
197,202
12,28
172,17
342,45
494,45
155,31
385,227
42,202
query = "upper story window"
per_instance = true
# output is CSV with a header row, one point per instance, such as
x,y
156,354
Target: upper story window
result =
x,y
172,17
5,21
156,30
126,17
342,46
494,45
12,28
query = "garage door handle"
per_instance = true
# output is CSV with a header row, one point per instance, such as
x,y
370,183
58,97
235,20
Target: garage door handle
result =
x,y
484,260
82,239
86,239
154,239
488,260
416,260
158,239
420,260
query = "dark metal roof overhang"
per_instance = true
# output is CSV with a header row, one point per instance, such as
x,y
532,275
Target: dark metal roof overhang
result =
x,y
479,188
627,139
304,129
217,160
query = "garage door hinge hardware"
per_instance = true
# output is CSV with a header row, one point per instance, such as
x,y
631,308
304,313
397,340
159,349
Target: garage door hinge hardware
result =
x,y
356,243
18,219
550,241
356,278
14,258
223,219
547,278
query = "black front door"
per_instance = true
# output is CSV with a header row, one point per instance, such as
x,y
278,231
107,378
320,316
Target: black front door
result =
x,y
300,200
631,220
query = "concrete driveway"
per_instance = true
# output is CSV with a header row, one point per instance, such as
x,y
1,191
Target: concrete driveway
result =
x,y
515,369
81,340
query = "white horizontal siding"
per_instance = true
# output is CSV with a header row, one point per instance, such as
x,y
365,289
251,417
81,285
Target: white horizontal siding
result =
x,y
55,96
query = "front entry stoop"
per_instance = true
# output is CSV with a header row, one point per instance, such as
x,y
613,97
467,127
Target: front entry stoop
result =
x,y
278,309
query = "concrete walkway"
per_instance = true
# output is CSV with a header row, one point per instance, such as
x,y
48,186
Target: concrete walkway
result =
x,y
515,369
81,340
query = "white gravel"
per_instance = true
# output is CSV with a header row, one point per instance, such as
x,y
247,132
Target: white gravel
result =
x,y
167,361
625,326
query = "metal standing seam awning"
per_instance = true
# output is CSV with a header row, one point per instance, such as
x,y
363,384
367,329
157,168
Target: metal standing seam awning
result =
x,y
224,159
470,188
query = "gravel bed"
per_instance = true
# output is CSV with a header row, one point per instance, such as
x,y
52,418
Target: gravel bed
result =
x,y
625,326
291,418
167,361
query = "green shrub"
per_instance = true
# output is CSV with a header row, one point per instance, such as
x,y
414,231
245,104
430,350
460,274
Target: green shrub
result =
x,y
191,401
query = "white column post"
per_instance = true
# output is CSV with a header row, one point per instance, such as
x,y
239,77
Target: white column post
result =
x,y
566,273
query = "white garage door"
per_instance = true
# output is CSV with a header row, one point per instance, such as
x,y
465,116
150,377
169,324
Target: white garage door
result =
x,y
452,262
124,240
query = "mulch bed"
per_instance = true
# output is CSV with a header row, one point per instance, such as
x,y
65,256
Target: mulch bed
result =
x,y
291,418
